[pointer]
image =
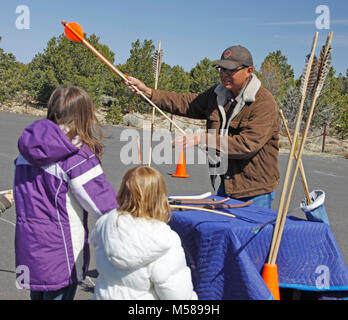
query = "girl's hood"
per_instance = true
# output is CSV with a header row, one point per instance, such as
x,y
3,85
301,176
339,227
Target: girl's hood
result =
x,y
43,143
130,243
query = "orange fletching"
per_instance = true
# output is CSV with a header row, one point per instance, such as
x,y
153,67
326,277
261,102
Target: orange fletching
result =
x,y
73,31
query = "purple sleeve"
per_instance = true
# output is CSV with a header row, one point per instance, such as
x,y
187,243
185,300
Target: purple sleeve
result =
x,y
90,187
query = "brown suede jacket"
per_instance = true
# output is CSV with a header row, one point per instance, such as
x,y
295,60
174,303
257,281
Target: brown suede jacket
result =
x,y
253,133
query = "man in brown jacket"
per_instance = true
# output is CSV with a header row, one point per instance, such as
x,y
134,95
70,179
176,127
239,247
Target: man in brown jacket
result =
x,y
243,113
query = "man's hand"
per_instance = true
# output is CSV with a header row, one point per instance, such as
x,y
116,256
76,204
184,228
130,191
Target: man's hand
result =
x,y
134,82
6,201
9,196
188,140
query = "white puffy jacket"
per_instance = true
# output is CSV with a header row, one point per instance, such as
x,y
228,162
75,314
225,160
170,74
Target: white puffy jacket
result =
x,y
139,259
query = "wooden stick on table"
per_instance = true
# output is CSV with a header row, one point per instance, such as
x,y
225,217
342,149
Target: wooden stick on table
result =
x,y
202,209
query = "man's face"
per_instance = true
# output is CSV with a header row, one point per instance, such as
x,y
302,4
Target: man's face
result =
x,y
235,79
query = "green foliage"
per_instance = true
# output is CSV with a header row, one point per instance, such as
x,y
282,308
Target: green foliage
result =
x,y
335,99
11,75
174,79
40,80
328,101
139,65
276,74
331,106
140,62
115,115
340,122
67,62
204,75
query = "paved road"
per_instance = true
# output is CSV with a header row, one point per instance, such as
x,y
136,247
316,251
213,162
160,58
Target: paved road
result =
x,y
329,174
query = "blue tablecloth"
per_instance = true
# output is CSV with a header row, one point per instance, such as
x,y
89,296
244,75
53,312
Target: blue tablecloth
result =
x,y
226,257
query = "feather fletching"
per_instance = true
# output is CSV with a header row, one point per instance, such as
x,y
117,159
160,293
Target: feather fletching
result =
x,y
321,56
324,70
157,62
312,79
303,76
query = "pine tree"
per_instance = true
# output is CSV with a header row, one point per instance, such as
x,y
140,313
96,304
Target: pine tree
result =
x,y
67,62
204,75
276,74
11,75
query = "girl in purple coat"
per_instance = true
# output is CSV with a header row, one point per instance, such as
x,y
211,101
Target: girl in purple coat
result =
x,y
58,181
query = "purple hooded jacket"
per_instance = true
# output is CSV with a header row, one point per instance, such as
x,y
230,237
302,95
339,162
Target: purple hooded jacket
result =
x,y
56,185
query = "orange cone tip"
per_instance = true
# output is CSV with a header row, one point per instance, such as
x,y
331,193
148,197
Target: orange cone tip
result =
x,y
270,276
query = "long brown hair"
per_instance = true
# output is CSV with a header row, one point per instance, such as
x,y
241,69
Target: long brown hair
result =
x,y
143,193
72,107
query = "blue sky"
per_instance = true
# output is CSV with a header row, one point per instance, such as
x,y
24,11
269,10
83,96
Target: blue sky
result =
x,y
189,30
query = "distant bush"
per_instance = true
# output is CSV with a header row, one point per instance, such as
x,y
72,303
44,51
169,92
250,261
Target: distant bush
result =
x,y
11,75
67,62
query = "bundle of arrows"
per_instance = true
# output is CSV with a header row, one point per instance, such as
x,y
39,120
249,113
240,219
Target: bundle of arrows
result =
x,y
312,81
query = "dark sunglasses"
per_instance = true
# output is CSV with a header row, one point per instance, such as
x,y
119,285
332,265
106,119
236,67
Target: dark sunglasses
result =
x,y
231,72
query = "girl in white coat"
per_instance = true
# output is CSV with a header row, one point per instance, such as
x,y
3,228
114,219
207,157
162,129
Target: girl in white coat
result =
x,y
138,256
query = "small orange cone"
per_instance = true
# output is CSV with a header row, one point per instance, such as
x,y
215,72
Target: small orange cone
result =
x,y
181,167
270,276
138,147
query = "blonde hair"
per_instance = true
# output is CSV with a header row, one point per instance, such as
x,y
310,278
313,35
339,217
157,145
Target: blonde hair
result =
x,y
143,194
72,106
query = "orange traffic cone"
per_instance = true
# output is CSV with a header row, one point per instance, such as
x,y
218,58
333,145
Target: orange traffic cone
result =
x,y
181,167
270,276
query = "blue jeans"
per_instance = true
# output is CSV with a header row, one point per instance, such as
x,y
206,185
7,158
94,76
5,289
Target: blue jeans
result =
x,y
262,200
67,293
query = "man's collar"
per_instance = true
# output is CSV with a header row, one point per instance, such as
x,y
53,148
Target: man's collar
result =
x,y
248,92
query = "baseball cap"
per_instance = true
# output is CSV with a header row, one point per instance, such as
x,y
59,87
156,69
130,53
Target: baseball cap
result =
x,y
234,57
